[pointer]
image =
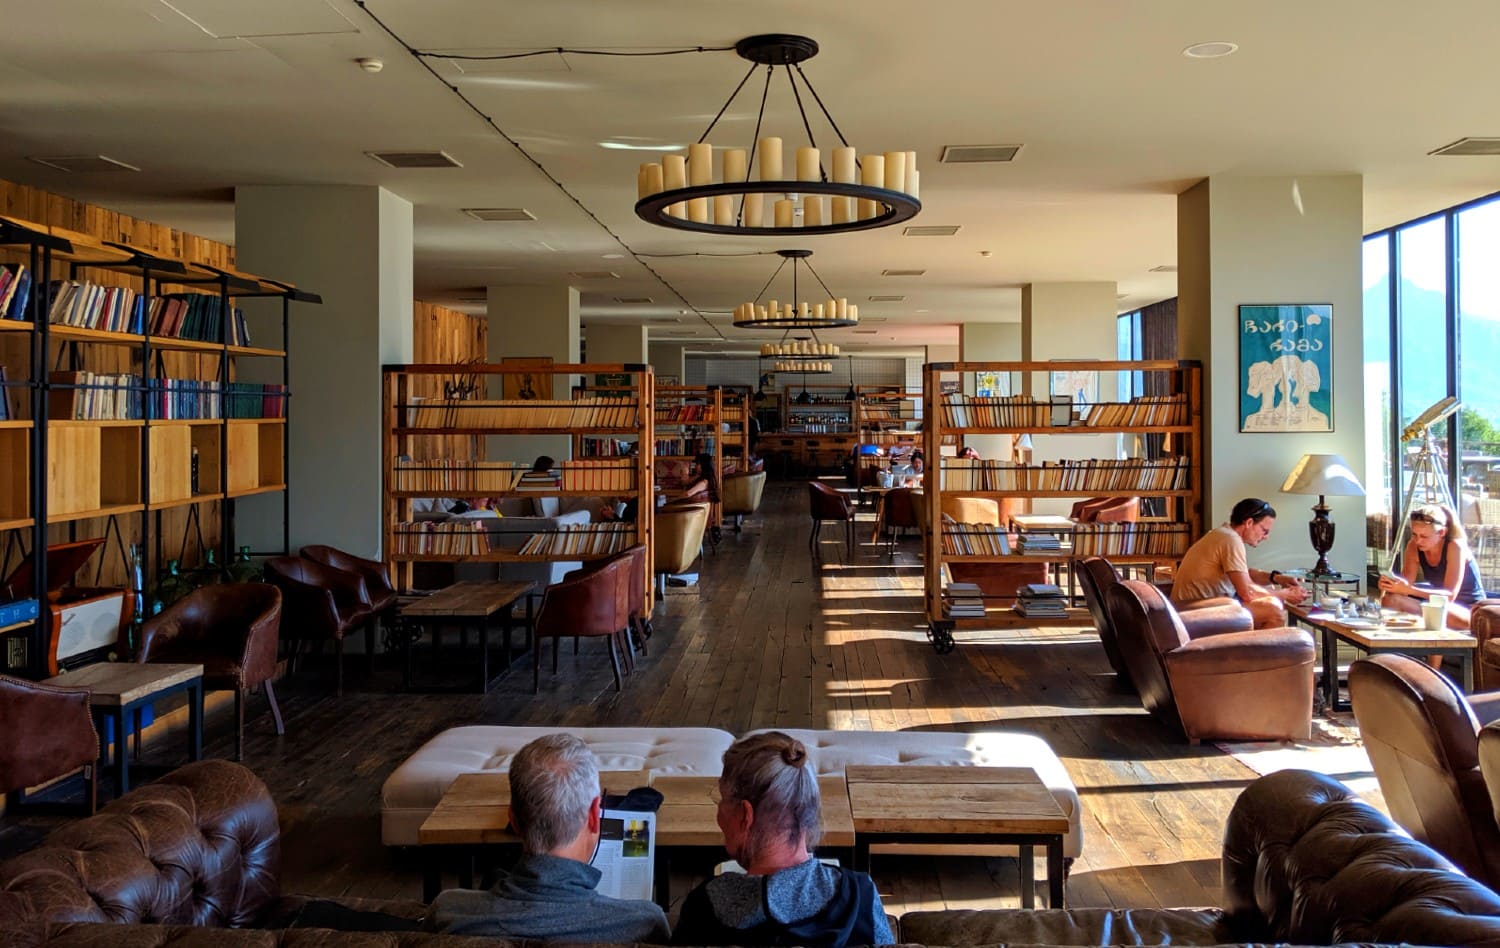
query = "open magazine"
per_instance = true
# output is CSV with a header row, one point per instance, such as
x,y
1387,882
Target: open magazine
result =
x,y
626,856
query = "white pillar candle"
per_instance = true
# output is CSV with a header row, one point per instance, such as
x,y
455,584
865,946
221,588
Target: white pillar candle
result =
x,y
734,164
642,182
770,159
818,311
787,311
653,178
807,165
844,165
674,175
754,209
914,184
761,314
812,210
854,312
911,168
843,308
872,174
802,309
773,307
895,171
724,209
700,170
784,215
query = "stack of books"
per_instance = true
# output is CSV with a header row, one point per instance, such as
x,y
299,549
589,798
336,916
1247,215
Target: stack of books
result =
x,y
963,601
1042,543
1041,601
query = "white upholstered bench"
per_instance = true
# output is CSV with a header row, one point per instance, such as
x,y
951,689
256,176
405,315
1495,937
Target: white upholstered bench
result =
x,y
414,788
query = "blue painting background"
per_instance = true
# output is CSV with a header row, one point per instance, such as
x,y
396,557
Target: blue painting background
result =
x,y
1286,367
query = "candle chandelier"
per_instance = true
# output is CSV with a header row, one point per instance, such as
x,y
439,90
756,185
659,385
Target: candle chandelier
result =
x,y
753,193
831,313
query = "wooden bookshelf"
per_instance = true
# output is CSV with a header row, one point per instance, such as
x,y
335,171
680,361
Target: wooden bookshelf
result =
x,y
689,421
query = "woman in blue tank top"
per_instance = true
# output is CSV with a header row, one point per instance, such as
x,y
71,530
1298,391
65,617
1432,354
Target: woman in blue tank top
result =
x,y
1436,559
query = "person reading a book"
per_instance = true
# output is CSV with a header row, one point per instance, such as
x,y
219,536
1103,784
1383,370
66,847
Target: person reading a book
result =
x,y
768,811
555,808
1436,559
1215,567
703,483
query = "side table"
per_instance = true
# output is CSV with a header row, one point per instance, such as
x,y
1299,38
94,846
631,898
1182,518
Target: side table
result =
x,y
121,689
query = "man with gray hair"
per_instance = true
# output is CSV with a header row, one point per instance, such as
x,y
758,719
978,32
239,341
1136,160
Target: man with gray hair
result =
x,y
555,806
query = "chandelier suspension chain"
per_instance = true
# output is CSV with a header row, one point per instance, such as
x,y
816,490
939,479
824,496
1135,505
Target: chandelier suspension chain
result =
x,y
822,172
773,278
727,103
819,278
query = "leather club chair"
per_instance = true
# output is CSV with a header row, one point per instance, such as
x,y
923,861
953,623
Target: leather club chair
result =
x,y
1484,625
827,504
1097,576
1489,764
900,513
233,631
1106,510
48,733
320,603
638,626
677,540
741,495
1252,685
380,595
1422,736
588,603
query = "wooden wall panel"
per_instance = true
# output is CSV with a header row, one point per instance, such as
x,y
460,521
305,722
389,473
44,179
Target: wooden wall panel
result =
x,y
441,336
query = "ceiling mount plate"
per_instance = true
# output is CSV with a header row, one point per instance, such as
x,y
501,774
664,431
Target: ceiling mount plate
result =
x,y
777,49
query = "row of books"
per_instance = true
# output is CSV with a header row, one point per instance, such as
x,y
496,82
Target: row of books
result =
x,y
682,447
584,413
1039,544
440,538
584,539
94,396
172,399
1024,411
197,316
1041,601
1146,411
963,601
1128,476
1130,539
464,478
606,448
685,414
998,411
975,539
91,306
15,290
254,400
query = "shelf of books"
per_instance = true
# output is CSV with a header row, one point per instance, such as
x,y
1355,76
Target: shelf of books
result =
x,y
890,421
1160,398
116,389
604,426
689,423
735,415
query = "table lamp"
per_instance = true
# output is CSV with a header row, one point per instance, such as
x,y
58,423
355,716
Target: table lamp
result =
x,y
1324,475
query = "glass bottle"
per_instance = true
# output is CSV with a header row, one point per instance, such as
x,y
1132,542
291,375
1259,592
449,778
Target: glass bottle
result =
x,y
137,596
243,569
172,586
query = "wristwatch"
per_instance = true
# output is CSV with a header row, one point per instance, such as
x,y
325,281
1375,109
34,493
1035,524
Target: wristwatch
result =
x,y
1275,573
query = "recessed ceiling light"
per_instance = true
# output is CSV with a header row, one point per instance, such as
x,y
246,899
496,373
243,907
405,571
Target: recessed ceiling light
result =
x,y
1464,146
627,146
885,299
930,230
499,213
967,154
594,275
612,256
415,159
865,332
1212,50
902,273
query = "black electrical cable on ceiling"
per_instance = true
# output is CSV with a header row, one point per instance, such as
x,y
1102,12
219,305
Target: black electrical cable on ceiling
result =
x,y
560,50
420,58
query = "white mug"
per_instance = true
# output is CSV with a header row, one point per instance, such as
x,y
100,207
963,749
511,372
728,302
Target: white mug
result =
x,y
1434,615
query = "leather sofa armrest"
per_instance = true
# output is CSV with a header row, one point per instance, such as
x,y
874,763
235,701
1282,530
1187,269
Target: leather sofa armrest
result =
x,y
1236,652
1486,706
1216,617
311,605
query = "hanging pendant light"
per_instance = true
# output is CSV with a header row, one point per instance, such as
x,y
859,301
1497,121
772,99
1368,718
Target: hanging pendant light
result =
x,y
829,313
851,395
754,194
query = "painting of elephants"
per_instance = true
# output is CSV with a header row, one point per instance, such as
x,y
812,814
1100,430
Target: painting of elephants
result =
x,y
1286,367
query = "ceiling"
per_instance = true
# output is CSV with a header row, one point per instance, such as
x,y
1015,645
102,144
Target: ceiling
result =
x,y
205,95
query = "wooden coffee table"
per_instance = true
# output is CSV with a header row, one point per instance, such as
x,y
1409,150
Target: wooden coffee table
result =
x,y
467,604
1397,632
960,805
122,689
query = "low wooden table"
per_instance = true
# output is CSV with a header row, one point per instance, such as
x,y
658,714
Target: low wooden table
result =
x,y
466,604
475,813
960,805
1397,632
122,689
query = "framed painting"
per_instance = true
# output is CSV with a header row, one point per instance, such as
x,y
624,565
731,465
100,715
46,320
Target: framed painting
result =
x,y
523,385
1079,387
1286,367
991,384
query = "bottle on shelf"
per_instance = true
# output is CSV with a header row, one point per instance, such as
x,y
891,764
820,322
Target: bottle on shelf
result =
x,y
243,569
172,586
138,597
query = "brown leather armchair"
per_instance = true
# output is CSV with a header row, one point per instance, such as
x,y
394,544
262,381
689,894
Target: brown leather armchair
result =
x,y
320,603
741,494
48,733
1422,736
638,626
1489,764
233,631
828,504
587,603
1236,685
1097,576
900,513
677,539
1484,625
380,595
1106,510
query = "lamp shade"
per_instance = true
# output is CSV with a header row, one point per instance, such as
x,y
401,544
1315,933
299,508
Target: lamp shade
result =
x,y
1323,474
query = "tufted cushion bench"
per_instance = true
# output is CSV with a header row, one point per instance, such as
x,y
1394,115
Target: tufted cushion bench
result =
x,y
832,751
414,788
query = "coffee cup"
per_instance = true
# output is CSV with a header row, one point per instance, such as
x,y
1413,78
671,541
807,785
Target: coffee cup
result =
x,y
1330,603
1434,615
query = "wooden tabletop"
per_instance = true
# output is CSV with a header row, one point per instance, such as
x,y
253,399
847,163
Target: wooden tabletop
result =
x,y
115,684
689,812
1398,630
467,600
936,800
476,808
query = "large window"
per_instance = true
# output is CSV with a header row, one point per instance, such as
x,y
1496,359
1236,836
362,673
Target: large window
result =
x,y
1128,346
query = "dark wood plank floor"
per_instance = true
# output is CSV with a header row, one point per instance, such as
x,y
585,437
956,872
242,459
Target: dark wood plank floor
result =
x,y
772,637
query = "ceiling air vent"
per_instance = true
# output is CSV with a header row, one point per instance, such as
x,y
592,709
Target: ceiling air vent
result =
x,y
902,273
83,164
634,300
931,230
594,275
500,214
865,332
964,154
885,299
1164,268
415,159
1470,146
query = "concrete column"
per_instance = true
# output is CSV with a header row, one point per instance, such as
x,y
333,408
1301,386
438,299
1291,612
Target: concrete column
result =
x,y
533,321
352,245
609,342
1273,240
986,342
669,359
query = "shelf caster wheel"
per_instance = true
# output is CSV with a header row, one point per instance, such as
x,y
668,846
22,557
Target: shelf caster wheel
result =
x,y
940,634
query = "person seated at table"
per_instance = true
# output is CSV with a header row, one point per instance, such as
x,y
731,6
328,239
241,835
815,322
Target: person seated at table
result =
x,y
769,813
1436,559
703,480
555,807
968,453
1215,567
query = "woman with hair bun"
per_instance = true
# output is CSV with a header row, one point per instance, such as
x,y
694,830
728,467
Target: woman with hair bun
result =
x,y
768,812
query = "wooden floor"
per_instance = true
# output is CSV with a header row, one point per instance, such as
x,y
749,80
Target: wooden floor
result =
x,y
773,637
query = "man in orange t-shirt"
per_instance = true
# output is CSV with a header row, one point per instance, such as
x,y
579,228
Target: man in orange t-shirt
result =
x,y
1215,567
